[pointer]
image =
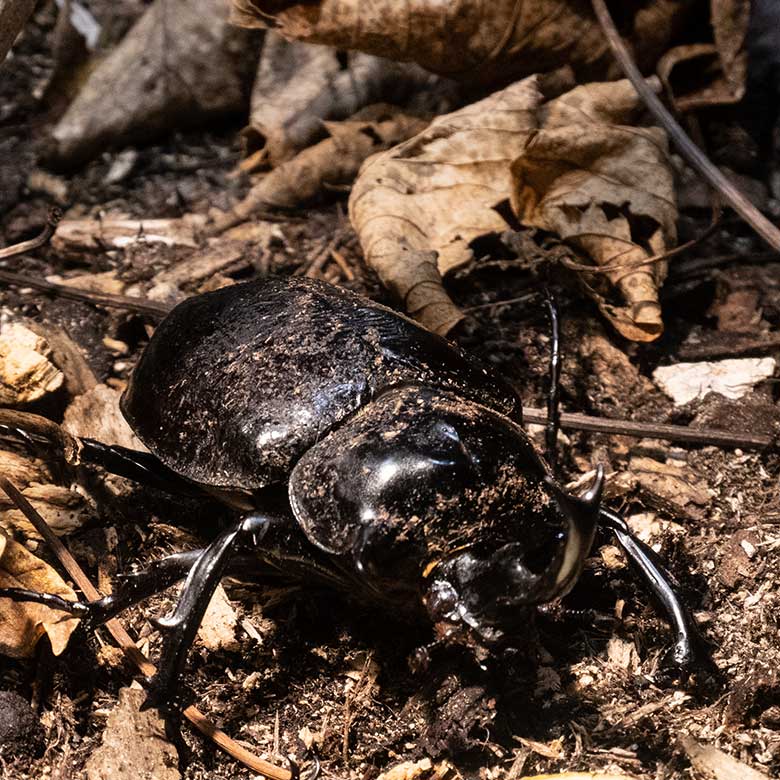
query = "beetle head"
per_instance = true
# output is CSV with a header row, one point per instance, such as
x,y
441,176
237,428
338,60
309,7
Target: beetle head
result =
x,y
485,588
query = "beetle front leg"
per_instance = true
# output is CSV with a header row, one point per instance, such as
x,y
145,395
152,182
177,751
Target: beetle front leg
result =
x,y
141,467
661,584
130,589
180,627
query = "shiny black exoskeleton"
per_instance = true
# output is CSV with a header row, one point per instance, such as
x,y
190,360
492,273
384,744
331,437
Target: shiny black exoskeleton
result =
x,y
409,480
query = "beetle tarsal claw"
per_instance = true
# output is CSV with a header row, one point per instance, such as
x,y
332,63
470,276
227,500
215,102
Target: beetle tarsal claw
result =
x,y
592,496
166,622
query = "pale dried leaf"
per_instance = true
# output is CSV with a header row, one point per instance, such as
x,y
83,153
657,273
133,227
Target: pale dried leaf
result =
x,y
417,207
180,64
606,187
671,487
22,624
26,371
623,654
332,162
471,38
299,85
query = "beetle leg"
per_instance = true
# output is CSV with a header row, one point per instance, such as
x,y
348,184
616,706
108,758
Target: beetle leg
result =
x,y
662,585
141,467
131,588
295,770
196,593
553,392
41,434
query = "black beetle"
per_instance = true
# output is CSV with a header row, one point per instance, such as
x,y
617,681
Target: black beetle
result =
x,y
406,475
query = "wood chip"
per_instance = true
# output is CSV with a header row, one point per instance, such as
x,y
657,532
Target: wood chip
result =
x,y
733,378
26,371
134,744
718,765
217,630
96,415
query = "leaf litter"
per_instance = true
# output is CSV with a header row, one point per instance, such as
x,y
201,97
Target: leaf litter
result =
x,y
604,690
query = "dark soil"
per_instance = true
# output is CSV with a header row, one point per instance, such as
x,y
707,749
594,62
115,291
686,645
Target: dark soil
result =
x,y
579,693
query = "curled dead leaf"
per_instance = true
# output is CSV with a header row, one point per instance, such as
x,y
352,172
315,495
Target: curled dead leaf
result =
x,y
23,624
332,162
298,86
605,186
471,38
713,73
417,207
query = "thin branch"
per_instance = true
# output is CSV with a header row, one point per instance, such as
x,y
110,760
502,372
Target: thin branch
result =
x,y
692,154
643,430
42,238
125,641
143,306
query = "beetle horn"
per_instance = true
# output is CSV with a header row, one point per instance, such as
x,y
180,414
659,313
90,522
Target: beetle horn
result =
x,y
592,496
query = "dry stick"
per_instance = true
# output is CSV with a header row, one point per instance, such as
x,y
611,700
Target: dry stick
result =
x,y
694,156
138,305
125,641
42,238
681,433
13,16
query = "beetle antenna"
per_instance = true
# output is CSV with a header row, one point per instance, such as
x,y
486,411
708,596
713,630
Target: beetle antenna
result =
x,y
553,391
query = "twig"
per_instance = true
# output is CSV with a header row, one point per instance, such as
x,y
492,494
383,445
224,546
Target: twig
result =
x,y
341,262
681,433
730,346
144,306
125,641
42,238
693,155
13,16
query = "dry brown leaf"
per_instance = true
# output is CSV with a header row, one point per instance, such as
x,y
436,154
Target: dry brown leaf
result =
x,y
471,38
298,86
332,162
606,187
418,206
180,64
23,624
711,73
670,487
